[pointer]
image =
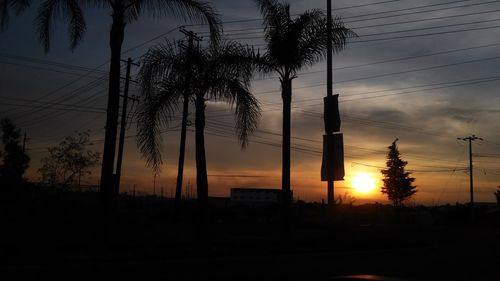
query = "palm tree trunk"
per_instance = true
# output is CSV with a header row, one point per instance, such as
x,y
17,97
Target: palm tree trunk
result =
x,y
201,171
115,41
286,95
180,168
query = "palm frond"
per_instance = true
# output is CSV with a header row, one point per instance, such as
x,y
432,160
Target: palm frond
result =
x,y
189,10
18,6
4,13
313,38
77,24
276,15
155,113
227,79
341,34
310,29
50,11
230,59
157,63
247,111
293,44
267,65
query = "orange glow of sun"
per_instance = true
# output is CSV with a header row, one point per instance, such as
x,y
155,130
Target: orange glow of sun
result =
x,y
363,183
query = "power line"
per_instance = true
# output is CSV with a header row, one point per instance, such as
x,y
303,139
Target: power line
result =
x,y
425,34
380,33
418,12
49,62
472,81
418,69
394,60
258,30
377,13
53,114
365,5
226,126
426,19
427,28
54,108
86,87
43,68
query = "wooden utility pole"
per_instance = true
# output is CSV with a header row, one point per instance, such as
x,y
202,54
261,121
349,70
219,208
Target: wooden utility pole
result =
x,y
185,108
471,175
123,126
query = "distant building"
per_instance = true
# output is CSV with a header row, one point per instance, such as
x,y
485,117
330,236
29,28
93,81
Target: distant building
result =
x,y
256,195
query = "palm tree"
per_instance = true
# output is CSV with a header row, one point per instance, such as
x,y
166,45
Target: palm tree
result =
x,y
123,12
292,44
220,73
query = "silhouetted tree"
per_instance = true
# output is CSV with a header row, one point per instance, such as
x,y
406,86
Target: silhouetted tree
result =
x,y
346,199
497,194
123,12
14,160
292,44
221,73
397,182
69,161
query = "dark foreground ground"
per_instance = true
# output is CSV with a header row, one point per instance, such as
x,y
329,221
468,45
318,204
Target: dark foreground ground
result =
x,y
53,235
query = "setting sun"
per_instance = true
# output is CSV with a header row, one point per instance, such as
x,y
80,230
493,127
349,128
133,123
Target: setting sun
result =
x,y
363,183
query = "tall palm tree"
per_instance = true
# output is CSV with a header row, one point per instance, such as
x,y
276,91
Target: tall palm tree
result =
x,y
292,44
220,73
123,12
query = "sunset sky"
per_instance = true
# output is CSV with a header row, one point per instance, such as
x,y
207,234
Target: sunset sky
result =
x,y
425,72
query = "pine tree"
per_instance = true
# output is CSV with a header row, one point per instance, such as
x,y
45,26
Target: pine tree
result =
x,y
397,183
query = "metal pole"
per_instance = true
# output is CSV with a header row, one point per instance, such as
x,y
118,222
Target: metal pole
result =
x,y
329,47
329,84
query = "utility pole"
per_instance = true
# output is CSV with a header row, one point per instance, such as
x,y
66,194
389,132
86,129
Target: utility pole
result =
x,y
329,49
123,126
185,107
471,175
329,84
332,167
